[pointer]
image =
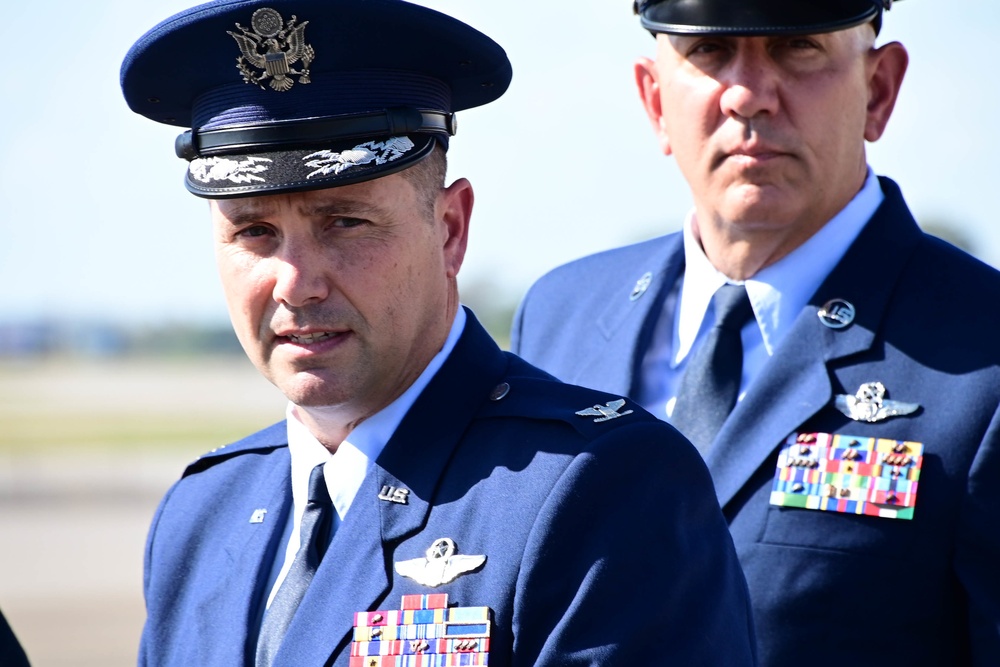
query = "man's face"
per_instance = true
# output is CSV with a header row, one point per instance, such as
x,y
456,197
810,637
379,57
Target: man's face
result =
x,y
342,296
768,131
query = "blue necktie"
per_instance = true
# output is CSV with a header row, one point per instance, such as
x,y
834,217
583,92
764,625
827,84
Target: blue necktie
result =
x,y
711,382
315,536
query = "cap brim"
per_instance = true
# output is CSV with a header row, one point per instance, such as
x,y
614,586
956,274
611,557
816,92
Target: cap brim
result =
x,y
743,18
263,173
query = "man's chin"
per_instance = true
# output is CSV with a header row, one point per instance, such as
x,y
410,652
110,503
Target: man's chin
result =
x,y
311,389
756,205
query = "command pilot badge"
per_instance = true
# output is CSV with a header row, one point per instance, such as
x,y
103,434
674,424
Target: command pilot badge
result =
x,y
869,404
440,565
273,47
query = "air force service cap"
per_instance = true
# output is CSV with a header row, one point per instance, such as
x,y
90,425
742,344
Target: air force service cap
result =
x,y
757,17
291,95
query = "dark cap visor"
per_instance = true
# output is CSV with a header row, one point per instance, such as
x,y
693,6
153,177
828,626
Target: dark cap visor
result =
x,y
761,17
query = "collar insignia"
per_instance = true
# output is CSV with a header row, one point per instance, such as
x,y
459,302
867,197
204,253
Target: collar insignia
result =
x,y
273,46
605,412
869,404
392,494
441,564
641,286
837,314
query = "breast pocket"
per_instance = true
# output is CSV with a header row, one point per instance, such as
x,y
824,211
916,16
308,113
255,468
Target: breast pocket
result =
x,y
835,531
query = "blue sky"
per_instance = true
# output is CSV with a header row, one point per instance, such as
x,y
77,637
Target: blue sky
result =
x,y
96,223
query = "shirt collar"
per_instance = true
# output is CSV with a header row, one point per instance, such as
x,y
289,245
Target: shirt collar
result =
x,y
779,292
699,284
345,470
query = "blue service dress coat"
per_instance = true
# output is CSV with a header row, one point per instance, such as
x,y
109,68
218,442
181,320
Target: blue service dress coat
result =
x,y
604,544
11,653
832,588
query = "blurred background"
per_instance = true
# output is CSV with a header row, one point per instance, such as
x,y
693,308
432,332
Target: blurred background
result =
x,y
117,365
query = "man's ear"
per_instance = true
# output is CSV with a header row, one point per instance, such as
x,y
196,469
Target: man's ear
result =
x,y
454,209
648,82
886,68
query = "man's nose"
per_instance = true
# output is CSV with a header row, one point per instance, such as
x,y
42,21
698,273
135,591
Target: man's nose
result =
x,y
301,277
751,84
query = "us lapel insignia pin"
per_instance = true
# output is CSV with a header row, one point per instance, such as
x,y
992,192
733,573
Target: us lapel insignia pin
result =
x,y
869,404
836,313
392,494
441,564
641,286
426,631
848,474
258,515
500,392
605,412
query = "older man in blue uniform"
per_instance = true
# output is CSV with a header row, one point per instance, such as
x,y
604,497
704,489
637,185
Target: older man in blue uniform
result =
x,y
838,368
11,653
430,500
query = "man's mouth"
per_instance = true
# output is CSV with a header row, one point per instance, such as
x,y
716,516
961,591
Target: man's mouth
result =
x,y
310,338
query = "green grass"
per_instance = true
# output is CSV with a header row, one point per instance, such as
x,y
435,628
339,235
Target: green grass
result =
x,y
53,432
51,406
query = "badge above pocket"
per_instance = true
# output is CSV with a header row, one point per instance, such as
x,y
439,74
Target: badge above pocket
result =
x,y
848,474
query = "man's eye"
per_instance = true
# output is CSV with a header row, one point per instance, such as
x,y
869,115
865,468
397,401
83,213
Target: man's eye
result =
x,y
702,48
254,231
800,43
346,223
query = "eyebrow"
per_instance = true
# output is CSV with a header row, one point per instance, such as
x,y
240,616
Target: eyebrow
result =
x,y
341,207
250,212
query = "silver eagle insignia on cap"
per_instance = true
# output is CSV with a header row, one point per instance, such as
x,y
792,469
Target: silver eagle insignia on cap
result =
x,y
605,412
273,46
441,564
869,404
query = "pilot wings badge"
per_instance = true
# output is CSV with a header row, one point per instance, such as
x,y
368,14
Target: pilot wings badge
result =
x,y
440,566
273,46
605,412
869,404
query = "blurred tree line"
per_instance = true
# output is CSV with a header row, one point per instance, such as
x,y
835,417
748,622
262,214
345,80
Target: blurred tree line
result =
x,y
493,306
51,337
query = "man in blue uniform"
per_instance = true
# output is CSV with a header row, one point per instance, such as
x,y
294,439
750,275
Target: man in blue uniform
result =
x,y
11,653
838,369
430,500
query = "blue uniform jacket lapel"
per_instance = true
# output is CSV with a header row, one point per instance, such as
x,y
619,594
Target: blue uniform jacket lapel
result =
x,y
627,323
252,550
357,571
795,383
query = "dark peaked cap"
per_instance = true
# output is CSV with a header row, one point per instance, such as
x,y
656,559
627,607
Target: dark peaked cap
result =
x,y
290,95
757,17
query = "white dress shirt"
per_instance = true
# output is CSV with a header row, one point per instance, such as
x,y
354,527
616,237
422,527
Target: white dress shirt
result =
x,y
344,470
777,293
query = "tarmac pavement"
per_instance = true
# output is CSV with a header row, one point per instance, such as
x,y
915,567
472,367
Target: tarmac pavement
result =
x,y
73,531
73,521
